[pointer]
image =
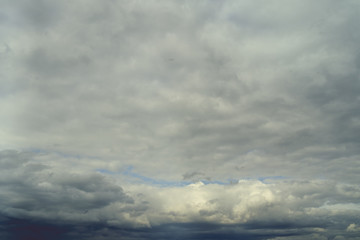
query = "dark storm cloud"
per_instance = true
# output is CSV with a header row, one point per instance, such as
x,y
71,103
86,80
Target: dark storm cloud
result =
x,y
36,191
24,229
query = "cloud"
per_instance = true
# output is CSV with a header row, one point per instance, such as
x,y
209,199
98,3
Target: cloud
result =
x,y
113,109
353,228
195,87
32,190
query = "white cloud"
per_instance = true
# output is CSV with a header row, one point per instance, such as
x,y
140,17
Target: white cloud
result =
x,y
353,228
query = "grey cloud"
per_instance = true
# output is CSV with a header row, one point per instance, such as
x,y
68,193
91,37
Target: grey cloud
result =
x,y
180,91
34,190
37,15
192,175
41,63
40,14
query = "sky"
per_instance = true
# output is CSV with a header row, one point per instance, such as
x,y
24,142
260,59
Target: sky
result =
x,y
199,120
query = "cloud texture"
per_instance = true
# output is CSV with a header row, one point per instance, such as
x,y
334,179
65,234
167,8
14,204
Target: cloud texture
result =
x,y
213,119
32,187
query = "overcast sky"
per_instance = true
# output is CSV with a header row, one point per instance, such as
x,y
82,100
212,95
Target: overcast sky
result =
x,y
180,119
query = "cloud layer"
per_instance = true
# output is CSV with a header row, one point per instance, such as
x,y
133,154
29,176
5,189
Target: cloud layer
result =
x,y
34,189
240,115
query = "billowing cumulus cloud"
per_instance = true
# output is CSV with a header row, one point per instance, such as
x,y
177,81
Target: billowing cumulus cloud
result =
x,y
30,189
215,120
33,188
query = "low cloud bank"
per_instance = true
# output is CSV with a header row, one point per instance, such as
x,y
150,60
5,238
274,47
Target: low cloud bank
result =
x,y
31,189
